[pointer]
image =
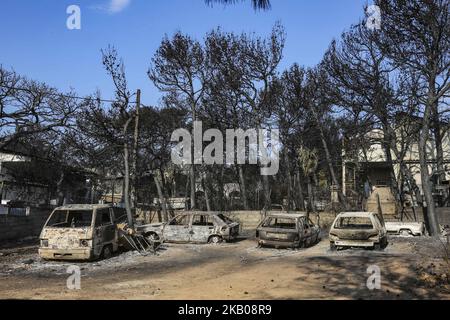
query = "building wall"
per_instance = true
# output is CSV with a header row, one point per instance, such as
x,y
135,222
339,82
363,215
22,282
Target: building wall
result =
x,y
375,153
19,227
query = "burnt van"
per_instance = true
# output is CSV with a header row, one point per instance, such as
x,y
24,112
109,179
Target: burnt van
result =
x,y
80,232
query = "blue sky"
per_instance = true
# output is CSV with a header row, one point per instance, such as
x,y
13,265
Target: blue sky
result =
x,y
36,43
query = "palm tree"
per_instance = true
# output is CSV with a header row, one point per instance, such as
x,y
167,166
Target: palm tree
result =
x,y
257,4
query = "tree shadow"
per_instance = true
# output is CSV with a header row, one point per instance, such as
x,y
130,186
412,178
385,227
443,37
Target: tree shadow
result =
x,y
346,277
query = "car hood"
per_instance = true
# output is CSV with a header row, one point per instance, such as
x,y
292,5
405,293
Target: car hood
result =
x,y
232,224
65,238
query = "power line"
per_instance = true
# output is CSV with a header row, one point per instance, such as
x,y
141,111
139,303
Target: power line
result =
x,y
65,95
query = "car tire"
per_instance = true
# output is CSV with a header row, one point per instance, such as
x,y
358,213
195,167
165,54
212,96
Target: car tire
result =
x,y
333,247
106,252
215,239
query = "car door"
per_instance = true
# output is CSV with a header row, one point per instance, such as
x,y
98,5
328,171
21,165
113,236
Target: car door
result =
x,y
178,229
105,227
315,231
307,232
202,228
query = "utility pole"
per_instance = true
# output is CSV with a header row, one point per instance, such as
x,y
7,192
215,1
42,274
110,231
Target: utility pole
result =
x,y
135,149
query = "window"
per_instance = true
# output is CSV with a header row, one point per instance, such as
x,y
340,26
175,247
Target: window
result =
x,y
306,223
70,219
181,220
120,215
202,220
103,217
282,223
354,223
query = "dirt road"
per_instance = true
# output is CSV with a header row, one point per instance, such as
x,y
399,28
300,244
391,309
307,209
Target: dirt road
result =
x,y
231,271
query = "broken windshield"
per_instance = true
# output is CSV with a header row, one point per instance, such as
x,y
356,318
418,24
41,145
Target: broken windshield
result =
x,y
70,219
354,223
282,223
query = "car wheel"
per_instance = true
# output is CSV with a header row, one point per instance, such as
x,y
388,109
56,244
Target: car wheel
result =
x,y
106,252
215,239
333,247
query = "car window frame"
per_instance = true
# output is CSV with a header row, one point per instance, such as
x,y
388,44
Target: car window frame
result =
x,y
186,216
99,212
208,219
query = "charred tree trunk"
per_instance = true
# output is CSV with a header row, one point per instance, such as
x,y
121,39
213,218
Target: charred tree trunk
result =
x,y
439,150
221,190
192,188
243,187
267,192
301,199
288,179
310,207
135,151
162,198
186,190
205,189
127,175
329,160
426,183
59,189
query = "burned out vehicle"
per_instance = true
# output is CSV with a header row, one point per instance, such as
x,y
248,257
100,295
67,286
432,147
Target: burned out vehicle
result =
x,y
193,227
358,229
287,230
80,232
415,229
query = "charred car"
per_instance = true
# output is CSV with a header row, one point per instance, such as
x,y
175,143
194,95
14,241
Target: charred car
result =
x,y
358,229
80,232
287,230
193,227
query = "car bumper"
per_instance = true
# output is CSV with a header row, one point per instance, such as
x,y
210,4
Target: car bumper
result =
x,y
230,237
279,243
66,254
232,234
354,243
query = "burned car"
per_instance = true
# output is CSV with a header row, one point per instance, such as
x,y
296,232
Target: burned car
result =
x,y
287,230
358,229
415,229
193,227
80,232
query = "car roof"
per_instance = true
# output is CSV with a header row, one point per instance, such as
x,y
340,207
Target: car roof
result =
x,y
356,214
84,206
287,215
209,213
